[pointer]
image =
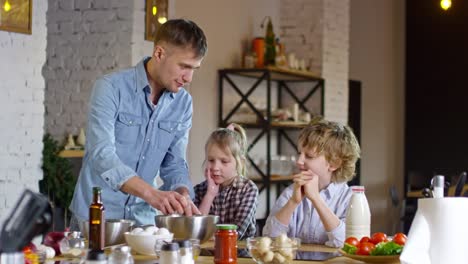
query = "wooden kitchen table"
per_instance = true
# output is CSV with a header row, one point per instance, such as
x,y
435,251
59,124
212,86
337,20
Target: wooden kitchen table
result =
x,y
142,259
304,247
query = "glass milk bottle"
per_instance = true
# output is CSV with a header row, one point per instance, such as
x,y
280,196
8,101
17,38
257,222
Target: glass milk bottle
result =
x,y
358,216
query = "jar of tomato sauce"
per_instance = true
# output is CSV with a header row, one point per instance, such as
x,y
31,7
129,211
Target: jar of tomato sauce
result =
x,y
225,244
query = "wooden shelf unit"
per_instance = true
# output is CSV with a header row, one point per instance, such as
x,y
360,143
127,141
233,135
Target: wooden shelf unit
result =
x,y
285,80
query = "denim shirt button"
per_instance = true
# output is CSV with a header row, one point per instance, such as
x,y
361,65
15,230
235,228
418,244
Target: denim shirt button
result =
x,y
130,122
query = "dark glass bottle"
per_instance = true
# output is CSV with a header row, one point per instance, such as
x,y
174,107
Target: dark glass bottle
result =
x,y
96,221
270,46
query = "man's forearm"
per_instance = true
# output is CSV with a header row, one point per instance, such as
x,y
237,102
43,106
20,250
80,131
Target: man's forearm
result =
x,y
137,187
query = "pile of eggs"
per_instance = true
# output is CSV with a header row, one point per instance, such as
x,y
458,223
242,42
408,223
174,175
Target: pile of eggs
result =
x,y
150,230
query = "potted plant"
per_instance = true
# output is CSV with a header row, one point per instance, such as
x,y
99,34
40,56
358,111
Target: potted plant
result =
x,y
58,182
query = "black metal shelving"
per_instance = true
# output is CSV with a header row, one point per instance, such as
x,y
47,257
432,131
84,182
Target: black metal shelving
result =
x,y
284,80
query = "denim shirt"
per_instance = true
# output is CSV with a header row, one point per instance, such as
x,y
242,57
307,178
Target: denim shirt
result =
x,y
305,222
127,136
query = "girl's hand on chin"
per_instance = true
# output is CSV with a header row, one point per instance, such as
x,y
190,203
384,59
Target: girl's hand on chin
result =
x,y
213,188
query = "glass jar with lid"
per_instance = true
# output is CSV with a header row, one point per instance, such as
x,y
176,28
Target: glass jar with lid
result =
x,y
225,244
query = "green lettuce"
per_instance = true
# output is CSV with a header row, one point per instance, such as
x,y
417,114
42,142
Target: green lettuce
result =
x,y
387,248
350,249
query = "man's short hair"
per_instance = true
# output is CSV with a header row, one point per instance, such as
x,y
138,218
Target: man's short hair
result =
x,y
182,33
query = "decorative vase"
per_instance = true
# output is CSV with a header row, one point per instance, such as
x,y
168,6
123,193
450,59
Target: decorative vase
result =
x,y
81,138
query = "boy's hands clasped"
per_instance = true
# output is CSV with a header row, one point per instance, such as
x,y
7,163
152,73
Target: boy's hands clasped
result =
x,y
306,184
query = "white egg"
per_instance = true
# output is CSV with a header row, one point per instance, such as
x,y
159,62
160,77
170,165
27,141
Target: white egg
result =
x,y
163,231
146,233
50,252
137,230
151,229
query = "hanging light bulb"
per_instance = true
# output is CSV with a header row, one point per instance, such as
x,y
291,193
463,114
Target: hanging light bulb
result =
x,y
162,19
445,4
7,6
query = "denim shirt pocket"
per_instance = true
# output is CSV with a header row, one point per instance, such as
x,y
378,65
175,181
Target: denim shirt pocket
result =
x,y
127,128
167,131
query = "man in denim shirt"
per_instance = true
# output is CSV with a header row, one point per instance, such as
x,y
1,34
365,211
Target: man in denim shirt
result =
x,y
138,128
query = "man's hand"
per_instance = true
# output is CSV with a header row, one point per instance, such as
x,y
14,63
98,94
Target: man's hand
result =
x,y
189,207
168,202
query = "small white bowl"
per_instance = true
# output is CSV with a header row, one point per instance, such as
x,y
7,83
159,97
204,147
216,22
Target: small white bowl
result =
x,y
143,243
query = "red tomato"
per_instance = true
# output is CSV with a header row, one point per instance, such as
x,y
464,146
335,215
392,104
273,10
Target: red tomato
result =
x,y
400,239
352,241
378,237
365,239
365,248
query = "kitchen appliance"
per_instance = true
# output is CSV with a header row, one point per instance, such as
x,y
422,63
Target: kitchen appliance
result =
x,y
31,216
438,232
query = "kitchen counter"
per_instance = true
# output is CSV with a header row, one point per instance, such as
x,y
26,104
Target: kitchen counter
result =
x,y
141,259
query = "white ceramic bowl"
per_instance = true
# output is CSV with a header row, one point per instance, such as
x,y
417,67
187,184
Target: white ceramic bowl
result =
x,y
144,244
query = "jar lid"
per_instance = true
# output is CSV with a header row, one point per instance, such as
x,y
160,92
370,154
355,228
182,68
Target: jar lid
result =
x,y
170,247
358,188
183,243
226,227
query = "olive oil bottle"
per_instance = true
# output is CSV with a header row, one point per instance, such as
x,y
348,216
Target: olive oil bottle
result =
x,y
96,221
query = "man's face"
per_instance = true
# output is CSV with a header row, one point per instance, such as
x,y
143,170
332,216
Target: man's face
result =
x,y
177,66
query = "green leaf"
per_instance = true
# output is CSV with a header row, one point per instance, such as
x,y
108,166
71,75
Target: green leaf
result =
x,y
350,249
387,248
58,182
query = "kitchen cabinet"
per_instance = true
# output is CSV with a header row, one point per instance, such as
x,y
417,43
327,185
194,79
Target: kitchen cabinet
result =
x,y
252,98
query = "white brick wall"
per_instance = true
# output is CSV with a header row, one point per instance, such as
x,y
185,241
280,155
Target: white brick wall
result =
x,y
140,47
318,31
335,60
87,38
21,109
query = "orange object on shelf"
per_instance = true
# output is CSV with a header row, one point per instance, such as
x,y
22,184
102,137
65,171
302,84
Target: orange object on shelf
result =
x,y
258,45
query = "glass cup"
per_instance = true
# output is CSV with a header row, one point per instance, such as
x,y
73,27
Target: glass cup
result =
x,y
195,247
158,245
72,244
121,255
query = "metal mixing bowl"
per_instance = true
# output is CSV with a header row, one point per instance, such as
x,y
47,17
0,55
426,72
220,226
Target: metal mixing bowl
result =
x,y
115,229
201,227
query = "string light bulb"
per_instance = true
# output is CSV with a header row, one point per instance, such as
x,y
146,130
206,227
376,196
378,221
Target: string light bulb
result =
x,y
7,6
162,20
445,4
155,10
